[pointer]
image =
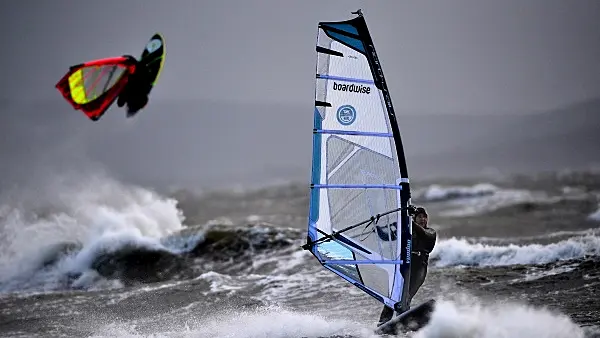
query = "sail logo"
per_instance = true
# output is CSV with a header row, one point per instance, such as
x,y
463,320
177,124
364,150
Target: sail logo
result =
x,y
346,115
353,88
153,45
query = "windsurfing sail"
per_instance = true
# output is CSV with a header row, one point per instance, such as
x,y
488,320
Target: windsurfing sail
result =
x,y
358,226
93,86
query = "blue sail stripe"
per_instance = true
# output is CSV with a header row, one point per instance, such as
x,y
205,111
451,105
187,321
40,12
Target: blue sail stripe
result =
x,y
345,79
353,132
350,262
357,186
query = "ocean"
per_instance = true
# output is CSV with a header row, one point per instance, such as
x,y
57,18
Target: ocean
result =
x,y
516,256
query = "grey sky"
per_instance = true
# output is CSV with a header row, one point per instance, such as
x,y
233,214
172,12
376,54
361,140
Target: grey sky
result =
x,y
439,56
250,64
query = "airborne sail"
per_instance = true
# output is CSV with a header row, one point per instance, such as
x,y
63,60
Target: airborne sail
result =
x,y
93,86
358,223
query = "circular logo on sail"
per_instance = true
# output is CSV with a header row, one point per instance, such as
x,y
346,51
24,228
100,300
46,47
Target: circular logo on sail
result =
x,y
346,115
153,45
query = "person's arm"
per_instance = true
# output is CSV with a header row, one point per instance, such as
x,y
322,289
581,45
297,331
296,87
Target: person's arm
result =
x,y
130,60
428,233
427,236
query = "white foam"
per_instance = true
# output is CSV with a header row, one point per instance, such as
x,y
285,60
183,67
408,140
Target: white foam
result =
x,y
472,319
464,317
97,213
595,216
183,241
292,261
454,252
551,235
266,322
476,199
436,192
500,199
220,282
254,218
537,274
277,322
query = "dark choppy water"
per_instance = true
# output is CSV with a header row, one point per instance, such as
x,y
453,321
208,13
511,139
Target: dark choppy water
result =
x,y
515,258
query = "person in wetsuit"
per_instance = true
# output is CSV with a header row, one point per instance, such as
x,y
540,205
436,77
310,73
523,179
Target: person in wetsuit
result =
x,y
135,93
423,241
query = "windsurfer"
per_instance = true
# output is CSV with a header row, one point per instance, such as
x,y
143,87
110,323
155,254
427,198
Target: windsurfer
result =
x,y
135,93
423,239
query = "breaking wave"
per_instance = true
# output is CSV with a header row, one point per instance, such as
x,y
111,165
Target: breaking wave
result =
x,y
49,242
471,318
457,252
595,216
461,201
437,192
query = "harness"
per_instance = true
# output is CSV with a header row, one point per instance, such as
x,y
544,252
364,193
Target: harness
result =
x,y
425,254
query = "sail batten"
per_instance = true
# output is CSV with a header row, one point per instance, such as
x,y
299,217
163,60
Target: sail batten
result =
x,y
354,132
355,186
345,79
359,173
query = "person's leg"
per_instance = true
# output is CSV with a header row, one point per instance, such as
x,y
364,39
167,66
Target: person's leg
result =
x,y
386,314
122,99
418,274
136,103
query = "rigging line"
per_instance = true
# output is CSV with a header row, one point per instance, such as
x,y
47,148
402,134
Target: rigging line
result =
x,y
368,233
335,233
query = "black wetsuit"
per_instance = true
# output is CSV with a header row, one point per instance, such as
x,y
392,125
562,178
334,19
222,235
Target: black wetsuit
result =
x,y
135,93
423,241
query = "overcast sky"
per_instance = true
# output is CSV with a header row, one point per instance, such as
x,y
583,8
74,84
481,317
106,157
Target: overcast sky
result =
x,y
439,56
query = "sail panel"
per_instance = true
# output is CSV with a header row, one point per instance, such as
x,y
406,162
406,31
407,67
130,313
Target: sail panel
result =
x,y
88,83
93,86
